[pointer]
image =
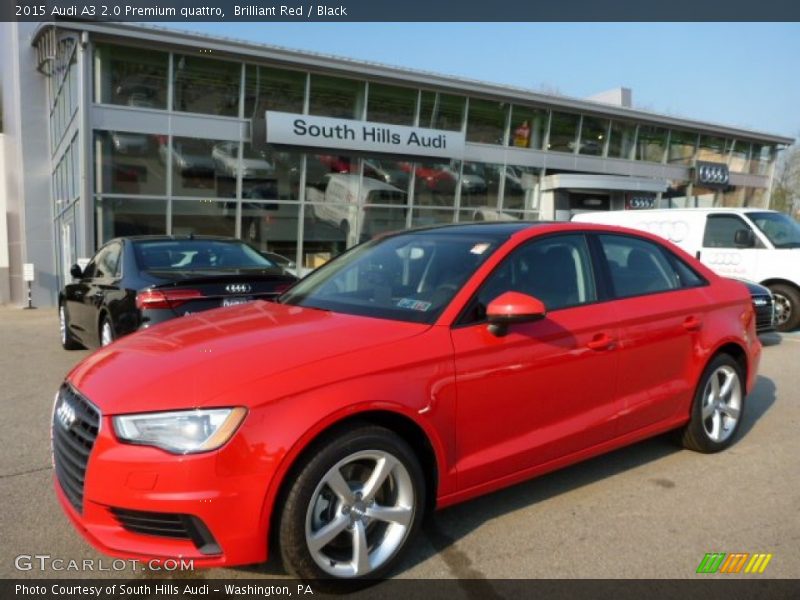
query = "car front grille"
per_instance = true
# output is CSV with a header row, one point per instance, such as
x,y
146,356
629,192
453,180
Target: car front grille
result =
x,y
170,525
76,422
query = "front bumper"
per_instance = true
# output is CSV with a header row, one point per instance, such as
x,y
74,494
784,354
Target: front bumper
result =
x,y
220,492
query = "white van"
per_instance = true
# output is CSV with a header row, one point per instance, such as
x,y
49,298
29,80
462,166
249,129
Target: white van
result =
x,y
746,243
341,201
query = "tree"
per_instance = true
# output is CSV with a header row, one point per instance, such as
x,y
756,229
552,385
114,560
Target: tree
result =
x,y
786,186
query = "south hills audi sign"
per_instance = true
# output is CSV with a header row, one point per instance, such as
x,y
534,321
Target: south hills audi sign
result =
x,y
712,175
347,134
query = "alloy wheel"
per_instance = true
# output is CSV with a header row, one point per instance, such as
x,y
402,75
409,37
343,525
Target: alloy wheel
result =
x,y
783,309
360,514
722,403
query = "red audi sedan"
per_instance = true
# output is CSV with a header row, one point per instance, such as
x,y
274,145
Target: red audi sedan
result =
x,y
413,372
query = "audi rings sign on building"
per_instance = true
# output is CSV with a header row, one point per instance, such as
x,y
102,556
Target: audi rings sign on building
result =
x,y
712,175
238,288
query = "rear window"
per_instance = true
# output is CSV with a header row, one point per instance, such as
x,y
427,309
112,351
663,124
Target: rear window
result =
x,y
197,254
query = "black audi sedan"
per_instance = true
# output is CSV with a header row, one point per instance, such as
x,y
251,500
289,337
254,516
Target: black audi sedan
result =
x,y
135,282
763,304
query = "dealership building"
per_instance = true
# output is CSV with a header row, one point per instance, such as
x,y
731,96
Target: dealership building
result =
x,y
113,129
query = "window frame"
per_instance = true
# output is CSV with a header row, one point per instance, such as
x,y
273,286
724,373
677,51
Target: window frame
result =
x,y
599,282
745,225
601,272
666,253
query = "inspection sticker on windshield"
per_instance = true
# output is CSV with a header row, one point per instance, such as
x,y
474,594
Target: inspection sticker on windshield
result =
x,y
413,304
480,248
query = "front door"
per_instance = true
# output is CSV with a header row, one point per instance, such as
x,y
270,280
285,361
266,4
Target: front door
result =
x,y
545,389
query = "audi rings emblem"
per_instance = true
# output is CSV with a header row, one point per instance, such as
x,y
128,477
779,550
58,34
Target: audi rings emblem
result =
x,y
238,288
725,258
713,174
65,413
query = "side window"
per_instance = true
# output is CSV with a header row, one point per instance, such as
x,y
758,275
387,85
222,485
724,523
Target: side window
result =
x,y
557,270
111,262
721,230
637,266
106,262
687,275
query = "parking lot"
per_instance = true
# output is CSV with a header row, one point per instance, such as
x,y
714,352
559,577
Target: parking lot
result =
x,y
650,510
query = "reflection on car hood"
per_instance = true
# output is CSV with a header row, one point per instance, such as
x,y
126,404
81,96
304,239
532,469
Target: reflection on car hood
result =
x,y
203,359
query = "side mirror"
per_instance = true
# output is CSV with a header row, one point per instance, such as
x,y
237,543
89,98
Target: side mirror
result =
x,y
513,307
744,238
76,271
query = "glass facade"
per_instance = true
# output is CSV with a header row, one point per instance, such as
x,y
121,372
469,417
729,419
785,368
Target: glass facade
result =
x,y
391,104
682,146
563,132
336,97
311,204
594,133
711,149
487,121
528,127
622,139
206,85
441,111
130,77
651,142
128,163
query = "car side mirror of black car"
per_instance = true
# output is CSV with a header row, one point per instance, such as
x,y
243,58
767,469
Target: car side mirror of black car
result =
x,y
76,271
744,238
513,307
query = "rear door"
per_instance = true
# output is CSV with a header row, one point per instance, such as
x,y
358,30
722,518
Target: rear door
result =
x,y
545,389
661,304
102,287
75,296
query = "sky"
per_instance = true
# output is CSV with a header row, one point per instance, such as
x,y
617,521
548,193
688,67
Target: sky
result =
x,y
738,74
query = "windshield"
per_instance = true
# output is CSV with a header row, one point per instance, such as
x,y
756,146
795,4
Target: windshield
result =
x,y
407,277
187,255
782,230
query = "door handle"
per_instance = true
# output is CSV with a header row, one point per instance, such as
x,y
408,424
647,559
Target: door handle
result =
x,y
601,341
692,324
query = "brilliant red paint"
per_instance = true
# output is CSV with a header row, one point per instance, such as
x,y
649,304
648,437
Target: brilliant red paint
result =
x,y
495,409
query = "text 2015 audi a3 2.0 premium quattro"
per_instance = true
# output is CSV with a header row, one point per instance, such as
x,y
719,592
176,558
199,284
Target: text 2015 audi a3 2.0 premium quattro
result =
x,y
415,371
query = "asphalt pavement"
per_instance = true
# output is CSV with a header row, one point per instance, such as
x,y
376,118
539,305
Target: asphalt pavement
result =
x,y
650,510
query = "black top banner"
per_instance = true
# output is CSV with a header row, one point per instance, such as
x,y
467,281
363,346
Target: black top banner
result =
x,y
400,10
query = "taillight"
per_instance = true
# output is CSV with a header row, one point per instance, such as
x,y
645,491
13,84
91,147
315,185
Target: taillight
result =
x,y
165,298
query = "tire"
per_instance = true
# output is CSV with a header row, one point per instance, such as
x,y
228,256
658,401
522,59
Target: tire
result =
x,y
716,412
320,528
105,333
787,306
68,342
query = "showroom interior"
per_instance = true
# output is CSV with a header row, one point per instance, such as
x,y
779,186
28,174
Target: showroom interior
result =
x,y
114,129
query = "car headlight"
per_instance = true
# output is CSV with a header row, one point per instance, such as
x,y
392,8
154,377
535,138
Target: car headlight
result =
x,y
180,431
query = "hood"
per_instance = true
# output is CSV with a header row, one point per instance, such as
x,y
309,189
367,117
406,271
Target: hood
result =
x,y
194,361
